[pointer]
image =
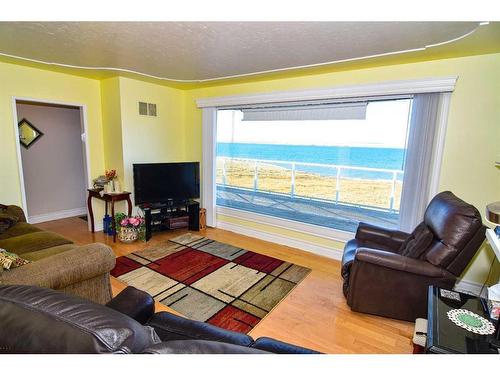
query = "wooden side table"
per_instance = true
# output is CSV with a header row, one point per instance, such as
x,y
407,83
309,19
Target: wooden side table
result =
x,y
110,198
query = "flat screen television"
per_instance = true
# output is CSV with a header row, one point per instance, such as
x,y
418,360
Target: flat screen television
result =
x,y
163,182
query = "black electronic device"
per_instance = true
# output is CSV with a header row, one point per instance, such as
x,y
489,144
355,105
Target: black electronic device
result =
x,y
193,210
166,183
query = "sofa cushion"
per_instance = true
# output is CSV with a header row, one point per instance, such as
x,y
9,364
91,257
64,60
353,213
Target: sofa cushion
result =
x,y
454,223
452,220
40,254
418,242
18,230
6,221
32,242
39,320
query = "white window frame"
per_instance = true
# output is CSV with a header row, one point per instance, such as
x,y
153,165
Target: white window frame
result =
x,y
209,136
210,106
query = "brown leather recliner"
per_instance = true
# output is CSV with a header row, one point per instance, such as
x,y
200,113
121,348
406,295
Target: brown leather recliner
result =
x,y
388,272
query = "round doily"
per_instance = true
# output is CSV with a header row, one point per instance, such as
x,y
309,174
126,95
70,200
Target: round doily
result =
x,y
471,322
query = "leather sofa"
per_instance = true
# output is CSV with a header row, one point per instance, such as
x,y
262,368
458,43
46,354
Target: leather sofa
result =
x,y
56,262
39,320
388,272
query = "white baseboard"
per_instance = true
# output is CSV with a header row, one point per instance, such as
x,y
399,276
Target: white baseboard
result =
x,y
469,287
57,215
282,240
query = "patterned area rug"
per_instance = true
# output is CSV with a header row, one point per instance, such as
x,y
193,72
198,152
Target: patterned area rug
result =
x,y
211,281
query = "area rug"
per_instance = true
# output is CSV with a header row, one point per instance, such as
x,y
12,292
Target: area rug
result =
x,y
211,281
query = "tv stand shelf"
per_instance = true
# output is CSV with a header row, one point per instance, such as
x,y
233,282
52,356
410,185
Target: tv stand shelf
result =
x,y
171,215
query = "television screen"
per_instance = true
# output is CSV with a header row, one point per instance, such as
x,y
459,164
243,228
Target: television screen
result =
x,y
160,182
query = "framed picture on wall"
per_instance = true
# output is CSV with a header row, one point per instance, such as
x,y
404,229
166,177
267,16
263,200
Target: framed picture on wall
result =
x,y
28,133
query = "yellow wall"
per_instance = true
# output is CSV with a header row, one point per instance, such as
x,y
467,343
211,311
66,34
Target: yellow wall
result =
x,y
36,84
112,125
117,135
473,133
151,139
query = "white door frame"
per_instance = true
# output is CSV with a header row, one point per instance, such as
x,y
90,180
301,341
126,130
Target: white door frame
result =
x,y
86,156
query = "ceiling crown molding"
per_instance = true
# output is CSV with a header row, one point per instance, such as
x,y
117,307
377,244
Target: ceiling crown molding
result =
x,y
148,72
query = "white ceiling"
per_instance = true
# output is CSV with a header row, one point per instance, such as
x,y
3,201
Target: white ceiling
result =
x,y
200,51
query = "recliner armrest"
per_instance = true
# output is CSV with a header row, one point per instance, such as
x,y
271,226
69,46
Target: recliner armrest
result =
x,y
383,236
134,303
172,327
279,347
199,347
400,263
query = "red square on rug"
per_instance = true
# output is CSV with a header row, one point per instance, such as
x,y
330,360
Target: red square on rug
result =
x,y
124,265
258,262
234,319
188,265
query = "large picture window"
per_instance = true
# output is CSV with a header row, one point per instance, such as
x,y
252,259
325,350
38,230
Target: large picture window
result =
x,y
320,161
327,164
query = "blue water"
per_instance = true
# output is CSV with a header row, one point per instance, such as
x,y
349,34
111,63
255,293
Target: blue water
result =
x,y
371,157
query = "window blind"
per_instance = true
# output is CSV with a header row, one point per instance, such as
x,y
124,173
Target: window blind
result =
x,y
341,111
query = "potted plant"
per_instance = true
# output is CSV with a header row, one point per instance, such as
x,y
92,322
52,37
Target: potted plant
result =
x,y
129,228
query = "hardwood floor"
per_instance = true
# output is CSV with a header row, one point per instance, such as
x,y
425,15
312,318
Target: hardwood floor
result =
x,y
314,314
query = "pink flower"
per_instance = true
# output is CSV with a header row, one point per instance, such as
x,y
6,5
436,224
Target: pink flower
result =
x,y
124,222
134,221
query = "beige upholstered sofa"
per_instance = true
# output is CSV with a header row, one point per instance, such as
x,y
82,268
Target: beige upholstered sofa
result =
x,y
56,262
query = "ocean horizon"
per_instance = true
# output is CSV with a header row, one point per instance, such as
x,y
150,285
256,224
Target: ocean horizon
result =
x,y
368,157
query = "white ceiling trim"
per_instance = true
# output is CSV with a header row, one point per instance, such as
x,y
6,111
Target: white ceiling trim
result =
x,y
406,87
106,68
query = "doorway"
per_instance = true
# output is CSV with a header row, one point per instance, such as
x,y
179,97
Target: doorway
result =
x,y
53,162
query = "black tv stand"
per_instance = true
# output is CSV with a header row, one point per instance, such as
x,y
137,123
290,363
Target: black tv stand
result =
x,y
171,215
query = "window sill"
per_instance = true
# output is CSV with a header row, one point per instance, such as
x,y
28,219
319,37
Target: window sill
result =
x,y
303,228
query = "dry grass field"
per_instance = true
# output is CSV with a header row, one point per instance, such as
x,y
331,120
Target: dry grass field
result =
x,y
278,179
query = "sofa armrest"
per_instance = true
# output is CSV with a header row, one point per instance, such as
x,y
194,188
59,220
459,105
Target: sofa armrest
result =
x,y
268,344
399,262
199,347
172,327
134,303
15,211
63,269
382,236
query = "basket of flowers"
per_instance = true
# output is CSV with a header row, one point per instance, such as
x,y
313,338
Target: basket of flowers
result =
x,y
129,228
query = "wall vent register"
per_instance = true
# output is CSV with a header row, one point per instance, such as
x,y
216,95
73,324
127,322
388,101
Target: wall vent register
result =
x,y
147,109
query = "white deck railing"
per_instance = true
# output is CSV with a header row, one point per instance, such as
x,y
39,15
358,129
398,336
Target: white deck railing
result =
x,y
293,166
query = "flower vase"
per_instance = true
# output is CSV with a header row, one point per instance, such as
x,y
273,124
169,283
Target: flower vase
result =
x,y
116,186
127,234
